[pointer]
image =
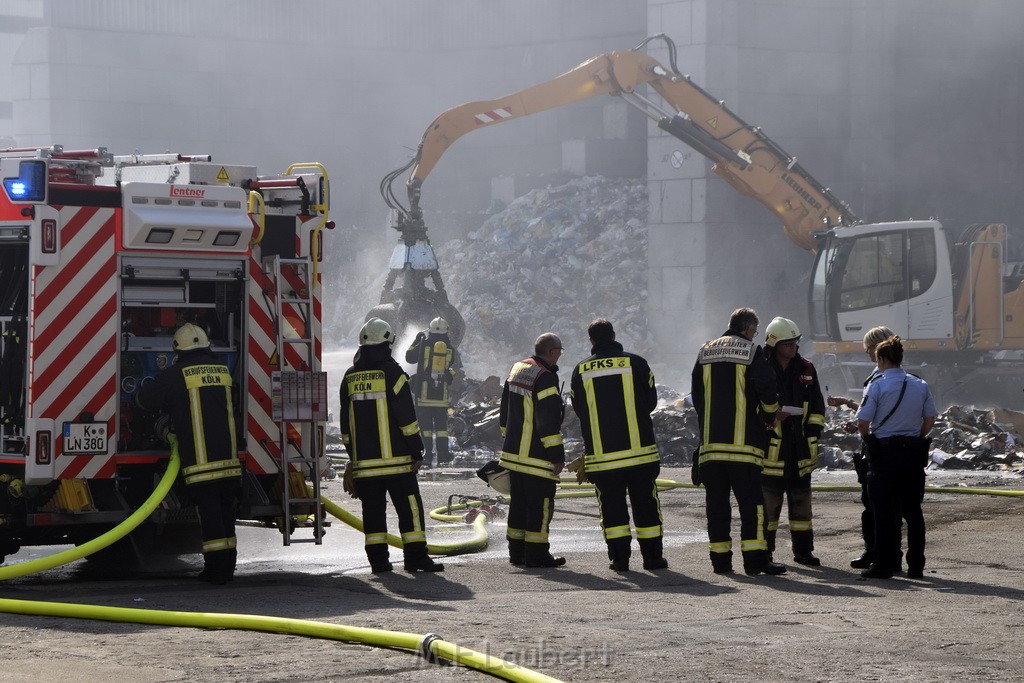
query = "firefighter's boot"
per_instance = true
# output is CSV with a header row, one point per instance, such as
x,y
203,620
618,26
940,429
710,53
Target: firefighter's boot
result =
x,y
803,549
516,551
379,557
444,456
721,563
759,562
619,550
417,559
652,550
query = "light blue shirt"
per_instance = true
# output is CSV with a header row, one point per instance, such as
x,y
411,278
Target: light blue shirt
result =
x,y
881,395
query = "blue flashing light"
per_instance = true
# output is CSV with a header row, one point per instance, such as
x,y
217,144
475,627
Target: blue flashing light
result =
x,y
30,184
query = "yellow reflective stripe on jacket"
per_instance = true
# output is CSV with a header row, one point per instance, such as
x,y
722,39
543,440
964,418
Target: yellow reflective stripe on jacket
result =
x,y
553,440
739,431
629,458
379,467
399,384
198,377
544,393
527,465
411,428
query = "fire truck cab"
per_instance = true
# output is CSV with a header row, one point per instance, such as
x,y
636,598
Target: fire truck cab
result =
x,y
102,258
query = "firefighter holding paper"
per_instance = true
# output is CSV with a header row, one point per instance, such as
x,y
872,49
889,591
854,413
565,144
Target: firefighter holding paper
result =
x,y
437,363
793,445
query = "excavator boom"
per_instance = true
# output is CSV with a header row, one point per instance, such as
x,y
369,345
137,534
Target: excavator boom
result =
x,y
743,156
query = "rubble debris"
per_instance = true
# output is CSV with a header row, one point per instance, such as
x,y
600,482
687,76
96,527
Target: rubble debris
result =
x,y
963,437
553,259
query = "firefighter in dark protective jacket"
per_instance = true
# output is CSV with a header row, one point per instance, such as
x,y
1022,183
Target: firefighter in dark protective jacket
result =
x,y
531,421
793,447
613,394
382,437
196,393
735,398
437,362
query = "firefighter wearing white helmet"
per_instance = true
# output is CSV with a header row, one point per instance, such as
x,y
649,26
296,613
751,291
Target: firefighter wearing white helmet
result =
x,y
196,393
793,449
437,364
382,437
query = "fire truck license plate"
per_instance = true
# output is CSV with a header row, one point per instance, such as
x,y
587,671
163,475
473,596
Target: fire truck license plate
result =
x,y
85,438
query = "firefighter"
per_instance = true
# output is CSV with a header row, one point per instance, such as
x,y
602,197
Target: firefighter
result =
x,y
613,395
382,437
531,420
196,393
793,447
735,398
437,362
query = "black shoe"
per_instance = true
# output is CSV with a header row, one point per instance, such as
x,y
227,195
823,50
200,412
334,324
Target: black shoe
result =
x,y
862,562
877,572
381,567
518,561
807,559
723,570
619,566
768,568
216,577
424,565
548,561
915,573
654,565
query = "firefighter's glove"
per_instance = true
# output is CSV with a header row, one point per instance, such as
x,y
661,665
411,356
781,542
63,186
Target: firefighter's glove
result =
x,y
348,481
576,467
695,470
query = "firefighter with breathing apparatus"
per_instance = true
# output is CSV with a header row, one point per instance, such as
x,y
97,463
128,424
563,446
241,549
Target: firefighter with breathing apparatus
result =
x,y
437,362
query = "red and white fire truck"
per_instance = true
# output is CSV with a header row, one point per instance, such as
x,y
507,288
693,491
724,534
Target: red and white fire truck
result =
x,y
102,257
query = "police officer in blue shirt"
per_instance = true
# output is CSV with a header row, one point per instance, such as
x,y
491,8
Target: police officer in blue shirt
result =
x,y
897,413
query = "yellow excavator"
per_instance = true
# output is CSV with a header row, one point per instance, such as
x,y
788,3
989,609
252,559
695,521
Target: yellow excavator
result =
x,y
958,303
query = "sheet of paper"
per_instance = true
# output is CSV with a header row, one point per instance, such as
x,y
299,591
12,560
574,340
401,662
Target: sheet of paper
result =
x,y
792,410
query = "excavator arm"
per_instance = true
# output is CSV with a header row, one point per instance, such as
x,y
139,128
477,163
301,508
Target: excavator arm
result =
x,y
743,156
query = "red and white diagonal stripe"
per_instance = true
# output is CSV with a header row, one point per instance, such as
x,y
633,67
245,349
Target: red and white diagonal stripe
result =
x,y
493,116
73,335
263,433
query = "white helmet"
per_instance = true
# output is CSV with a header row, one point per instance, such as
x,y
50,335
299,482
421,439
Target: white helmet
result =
x,y
781,330
439,326
375,331
189,337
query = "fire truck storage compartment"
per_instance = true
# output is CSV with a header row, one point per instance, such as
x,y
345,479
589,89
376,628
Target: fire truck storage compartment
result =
x,y
158,294
14,269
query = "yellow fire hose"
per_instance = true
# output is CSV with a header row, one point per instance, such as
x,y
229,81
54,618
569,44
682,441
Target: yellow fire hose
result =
x,y
100,542
429,646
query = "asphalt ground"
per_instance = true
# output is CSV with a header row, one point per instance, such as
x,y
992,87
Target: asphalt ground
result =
x,y
581,622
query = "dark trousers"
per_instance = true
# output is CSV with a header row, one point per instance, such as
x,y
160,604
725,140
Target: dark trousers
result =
x,y
867,517
404,490
433,422
798,498
896,490
744,481
529,514
638,483
217,505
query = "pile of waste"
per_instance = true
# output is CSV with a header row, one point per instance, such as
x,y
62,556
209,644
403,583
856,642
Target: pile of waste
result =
x,y
963,437
552,260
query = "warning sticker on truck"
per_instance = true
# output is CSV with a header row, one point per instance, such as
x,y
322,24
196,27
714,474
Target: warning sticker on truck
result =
x,y
85,438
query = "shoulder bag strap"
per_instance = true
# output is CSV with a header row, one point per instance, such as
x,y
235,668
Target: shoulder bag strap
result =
x,y
903,390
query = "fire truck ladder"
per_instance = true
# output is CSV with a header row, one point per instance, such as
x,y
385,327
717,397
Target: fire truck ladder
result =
x,y
295,412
